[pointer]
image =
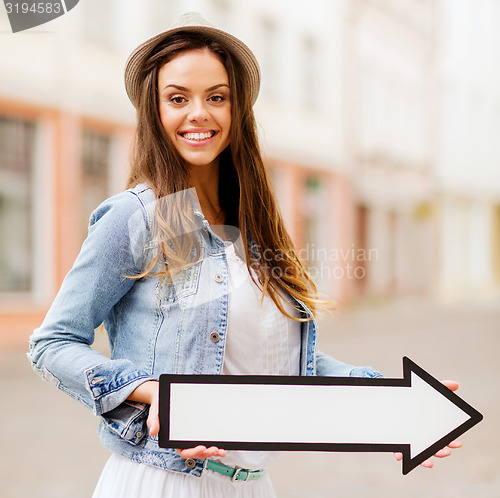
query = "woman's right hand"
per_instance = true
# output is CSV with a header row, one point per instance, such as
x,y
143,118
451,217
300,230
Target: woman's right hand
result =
x,y
201,452
147,393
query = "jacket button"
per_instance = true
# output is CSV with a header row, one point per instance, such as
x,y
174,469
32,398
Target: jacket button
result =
x,y
214,337
218,277
190,463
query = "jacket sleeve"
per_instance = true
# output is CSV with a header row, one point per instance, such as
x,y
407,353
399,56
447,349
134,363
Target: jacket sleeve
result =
x,y
330,367
60,349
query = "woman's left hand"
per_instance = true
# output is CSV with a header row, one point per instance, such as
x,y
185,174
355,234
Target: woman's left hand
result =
x,y
444,452
201,452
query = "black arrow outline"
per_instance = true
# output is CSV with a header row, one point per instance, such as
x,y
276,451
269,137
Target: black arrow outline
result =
x,y
408,367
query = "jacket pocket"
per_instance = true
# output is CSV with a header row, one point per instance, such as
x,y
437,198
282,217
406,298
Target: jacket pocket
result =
x,y
181,284
128,420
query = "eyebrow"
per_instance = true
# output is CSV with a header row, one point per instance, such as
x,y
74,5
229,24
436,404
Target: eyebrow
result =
x,y
184,89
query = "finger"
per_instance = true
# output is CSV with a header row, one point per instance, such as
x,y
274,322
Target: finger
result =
x,y
212,451
455,444
192,452
451,384
426,463
154,429
153,423
443,453
201,452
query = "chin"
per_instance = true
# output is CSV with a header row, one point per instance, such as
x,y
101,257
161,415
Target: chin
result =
x,y
199,162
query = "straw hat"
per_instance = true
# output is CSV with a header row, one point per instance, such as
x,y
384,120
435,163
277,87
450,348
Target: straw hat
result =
x,y
194,23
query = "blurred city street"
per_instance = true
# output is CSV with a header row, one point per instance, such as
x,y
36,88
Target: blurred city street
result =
x,y
50,449
379,123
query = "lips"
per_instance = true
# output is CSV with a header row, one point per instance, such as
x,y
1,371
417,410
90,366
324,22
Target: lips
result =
x,y
197,136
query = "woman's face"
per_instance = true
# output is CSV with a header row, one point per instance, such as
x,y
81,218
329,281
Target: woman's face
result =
x,y
195,106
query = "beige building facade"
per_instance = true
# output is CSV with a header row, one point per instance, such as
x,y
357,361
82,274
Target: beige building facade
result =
x,y
388,96
468,153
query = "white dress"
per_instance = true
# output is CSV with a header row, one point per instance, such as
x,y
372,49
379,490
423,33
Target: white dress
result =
x,y
260,340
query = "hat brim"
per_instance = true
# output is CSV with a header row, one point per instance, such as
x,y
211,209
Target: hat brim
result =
x,y
249,64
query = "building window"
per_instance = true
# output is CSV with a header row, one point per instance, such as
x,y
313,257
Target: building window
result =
x,y
309,69
362,220
96,158
97,19
268,44
221,14
163,13
17,142
316,232
496,243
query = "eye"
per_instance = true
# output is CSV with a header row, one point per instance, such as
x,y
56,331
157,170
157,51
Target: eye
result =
x,y
177,99
217,98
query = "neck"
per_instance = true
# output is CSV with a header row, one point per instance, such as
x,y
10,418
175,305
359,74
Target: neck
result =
x,y
205,180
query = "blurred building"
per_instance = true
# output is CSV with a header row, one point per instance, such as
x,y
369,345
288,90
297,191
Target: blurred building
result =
x,y
300,117
467,203
362,120
65,130
389,129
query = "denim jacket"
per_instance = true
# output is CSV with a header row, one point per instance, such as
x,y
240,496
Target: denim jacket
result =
x,y
152,328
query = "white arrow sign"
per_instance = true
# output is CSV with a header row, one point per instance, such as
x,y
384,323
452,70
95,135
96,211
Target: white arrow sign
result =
x,y
416,415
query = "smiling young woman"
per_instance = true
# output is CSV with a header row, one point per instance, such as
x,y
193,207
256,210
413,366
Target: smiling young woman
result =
x,y
175,294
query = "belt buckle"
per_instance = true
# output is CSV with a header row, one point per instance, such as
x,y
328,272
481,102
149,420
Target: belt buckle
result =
x,y
237,473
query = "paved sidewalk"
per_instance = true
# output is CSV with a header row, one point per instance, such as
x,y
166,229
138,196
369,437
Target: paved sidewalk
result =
x,y
50,449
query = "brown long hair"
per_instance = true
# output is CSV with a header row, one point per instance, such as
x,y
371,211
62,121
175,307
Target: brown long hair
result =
x,y
245,190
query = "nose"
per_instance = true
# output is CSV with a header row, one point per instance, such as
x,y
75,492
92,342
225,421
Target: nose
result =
x,y
198,111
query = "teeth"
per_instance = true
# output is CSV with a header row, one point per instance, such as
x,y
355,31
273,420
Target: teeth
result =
x,y
197,136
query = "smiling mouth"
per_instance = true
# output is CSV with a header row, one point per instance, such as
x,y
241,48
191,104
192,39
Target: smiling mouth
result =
x,y
198,136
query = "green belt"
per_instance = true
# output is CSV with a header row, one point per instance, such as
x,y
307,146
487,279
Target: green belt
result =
x,y
235,474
